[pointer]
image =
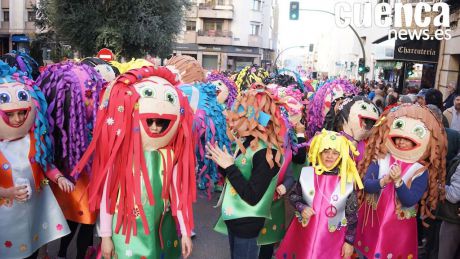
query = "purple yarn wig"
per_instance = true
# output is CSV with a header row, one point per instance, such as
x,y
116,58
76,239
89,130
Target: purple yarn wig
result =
x,y
72,91
232,90
324,96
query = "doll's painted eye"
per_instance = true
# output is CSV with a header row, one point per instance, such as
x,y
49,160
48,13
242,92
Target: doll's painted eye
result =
x,y
364,107
398,124
5,98
147,92
374,109
23,95
420,131
171,97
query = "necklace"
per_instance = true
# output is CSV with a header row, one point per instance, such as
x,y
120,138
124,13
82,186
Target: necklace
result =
x,y
331,210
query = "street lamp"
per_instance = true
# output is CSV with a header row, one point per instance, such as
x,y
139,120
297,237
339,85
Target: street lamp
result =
x,y
277,56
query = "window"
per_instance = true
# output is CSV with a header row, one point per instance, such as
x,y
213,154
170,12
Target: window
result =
x,y
6,15
213,25
255,29
30,16
257,5
190,25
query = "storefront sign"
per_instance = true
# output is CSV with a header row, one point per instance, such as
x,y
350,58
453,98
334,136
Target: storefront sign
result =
x,y
417,51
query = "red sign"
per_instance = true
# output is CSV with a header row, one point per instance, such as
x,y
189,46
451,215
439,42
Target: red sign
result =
x,y
106,55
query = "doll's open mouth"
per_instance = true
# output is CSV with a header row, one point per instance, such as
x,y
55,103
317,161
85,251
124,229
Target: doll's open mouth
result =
x,y
366,122
404,143
15,118
156,125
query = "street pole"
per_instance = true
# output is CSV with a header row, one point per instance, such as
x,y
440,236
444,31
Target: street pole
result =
x,y
351,27
277,56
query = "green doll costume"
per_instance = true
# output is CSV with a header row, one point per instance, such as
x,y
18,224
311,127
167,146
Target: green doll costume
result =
x,y
256,126
143,179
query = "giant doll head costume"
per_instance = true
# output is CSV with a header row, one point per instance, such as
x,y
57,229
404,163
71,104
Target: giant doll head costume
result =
x,y
132,64
418,125
187,68
355,116
326,97
72,91
107,71
286,77
292,97
226,89
23,62
20,94
129,107
248,76
255,113
209,125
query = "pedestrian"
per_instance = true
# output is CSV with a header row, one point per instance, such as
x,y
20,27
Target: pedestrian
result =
x,y
452,114
434,97
421,96
143,170
392,101
452,93
405,158
30,215
251,172
449,236
431,234
404,99
325,201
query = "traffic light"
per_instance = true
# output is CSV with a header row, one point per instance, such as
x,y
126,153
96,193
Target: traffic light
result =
x,y
361,66
294,11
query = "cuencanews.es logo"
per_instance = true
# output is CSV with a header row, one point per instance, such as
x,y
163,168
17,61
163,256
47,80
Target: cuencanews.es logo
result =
x,y
414,21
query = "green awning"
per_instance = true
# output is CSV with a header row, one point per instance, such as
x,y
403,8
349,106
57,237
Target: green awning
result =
x,y
386,64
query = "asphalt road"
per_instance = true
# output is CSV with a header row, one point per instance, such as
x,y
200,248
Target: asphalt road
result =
x,y
207,244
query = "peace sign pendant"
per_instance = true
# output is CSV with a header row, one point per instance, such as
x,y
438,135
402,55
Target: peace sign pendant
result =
x,y
331,211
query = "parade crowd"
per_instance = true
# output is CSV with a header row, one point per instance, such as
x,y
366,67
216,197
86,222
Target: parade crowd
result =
x,y
304,168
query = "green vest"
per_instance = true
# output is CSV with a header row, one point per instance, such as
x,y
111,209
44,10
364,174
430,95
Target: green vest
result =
x,y
233,206
149,246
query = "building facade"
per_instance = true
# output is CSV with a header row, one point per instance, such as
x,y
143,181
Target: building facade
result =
x,y
230,34
449,58
17,24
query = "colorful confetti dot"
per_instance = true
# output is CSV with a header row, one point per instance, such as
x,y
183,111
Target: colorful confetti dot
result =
x,y
8,244
59,227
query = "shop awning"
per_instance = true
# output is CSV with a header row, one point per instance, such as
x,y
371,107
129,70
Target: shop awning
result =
x,y
386,64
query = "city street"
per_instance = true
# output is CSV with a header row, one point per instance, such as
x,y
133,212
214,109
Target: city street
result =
x,y
207,244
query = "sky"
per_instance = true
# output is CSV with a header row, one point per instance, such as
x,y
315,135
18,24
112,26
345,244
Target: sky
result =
x,y
310,24
314,28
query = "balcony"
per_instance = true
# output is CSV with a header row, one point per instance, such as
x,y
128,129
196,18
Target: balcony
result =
x,y
189,37
214,37
209,10
255,41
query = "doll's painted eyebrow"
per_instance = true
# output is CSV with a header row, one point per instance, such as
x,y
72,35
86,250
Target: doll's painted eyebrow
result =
x,y
155,82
